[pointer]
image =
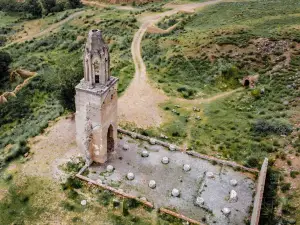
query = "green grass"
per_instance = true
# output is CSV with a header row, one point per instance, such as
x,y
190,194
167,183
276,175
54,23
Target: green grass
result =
x,y
240,127
19,205
178,59
9,18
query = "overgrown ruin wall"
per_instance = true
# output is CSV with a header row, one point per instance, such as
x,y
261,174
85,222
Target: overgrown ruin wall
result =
x,y
259,193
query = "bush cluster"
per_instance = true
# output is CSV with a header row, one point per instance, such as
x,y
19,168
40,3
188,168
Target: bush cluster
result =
x,y
38,8
5,60
265,127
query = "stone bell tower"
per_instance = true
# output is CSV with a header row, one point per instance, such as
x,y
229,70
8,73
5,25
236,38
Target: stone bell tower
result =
x,y
96,102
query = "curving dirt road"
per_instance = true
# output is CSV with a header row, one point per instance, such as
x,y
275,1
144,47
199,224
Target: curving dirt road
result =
x,y
139,104
103,5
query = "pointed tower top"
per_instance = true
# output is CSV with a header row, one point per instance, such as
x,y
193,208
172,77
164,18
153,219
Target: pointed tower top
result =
x,y
96,60
95,41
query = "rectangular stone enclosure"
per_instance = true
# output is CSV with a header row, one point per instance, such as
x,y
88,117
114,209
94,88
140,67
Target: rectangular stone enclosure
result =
x,y
208,192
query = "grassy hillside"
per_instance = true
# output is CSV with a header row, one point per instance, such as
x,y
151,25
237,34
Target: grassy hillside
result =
x,y
182,59
209,53
52,91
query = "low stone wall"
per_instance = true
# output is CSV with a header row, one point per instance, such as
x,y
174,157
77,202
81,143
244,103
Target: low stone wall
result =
x,y
117,192
125,195
180,216
221,161
145,138
259,193
195,154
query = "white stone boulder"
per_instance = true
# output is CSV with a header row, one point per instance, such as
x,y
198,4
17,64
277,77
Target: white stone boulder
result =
x,y
226,211
133,135
125,147
175,192
210,175
152,141
130,176
165,160
143,198
145,153
110,168
83,202
99,181
186,167
152,184
199,201
233,196
233,182
172,147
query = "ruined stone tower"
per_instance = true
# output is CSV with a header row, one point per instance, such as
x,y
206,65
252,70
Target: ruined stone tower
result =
x,y
96,102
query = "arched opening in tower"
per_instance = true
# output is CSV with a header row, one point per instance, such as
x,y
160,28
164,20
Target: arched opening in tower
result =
x,y
110,139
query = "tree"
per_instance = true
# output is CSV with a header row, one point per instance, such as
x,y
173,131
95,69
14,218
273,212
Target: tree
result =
x,y
2,40
69,78
5,60
74,3
33,7
48,6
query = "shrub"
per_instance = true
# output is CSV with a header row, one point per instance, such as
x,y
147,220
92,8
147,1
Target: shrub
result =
x,y
71,183
264,127
69,78
15,151
73,166
285,187
294,174
252,162
5,60
105,197
3,39
37,8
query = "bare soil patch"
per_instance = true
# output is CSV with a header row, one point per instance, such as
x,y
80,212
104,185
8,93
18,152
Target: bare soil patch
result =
x,y
51,149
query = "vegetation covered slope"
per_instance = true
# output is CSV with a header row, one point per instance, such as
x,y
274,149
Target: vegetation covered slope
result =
x,y
210,52
52,91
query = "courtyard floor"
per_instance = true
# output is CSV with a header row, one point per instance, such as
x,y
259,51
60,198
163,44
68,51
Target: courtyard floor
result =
x,y
215,191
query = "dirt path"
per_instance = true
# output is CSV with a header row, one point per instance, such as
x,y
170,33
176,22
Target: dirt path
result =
x,y
139,103
49,29
103,5
210,99
156,30
5,95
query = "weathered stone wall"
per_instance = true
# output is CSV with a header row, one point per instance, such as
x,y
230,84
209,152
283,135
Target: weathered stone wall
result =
x,y
259,193
120,193
96,102
99,109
